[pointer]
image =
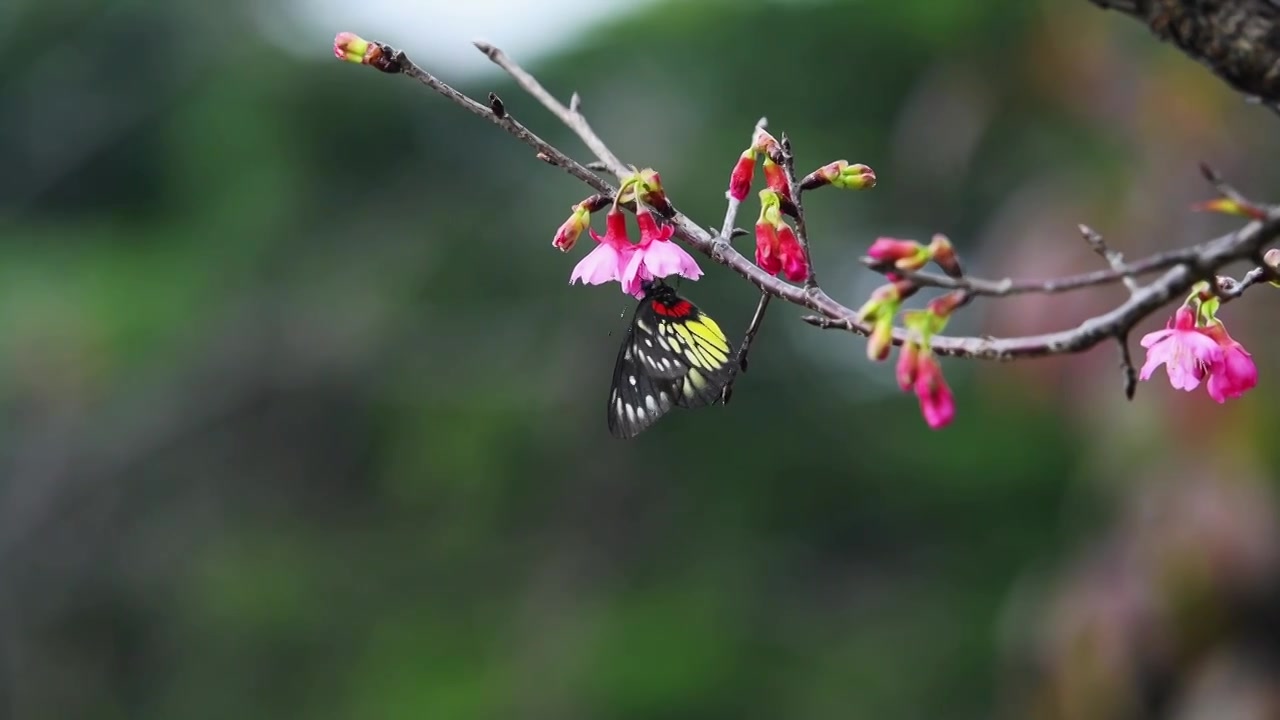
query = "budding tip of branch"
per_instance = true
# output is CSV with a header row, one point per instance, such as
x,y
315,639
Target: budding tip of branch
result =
x,y
498,108
485,48
575,103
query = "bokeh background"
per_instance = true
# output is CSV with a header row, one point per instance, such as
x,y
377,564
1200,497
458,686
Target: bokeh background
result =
x,y
299,417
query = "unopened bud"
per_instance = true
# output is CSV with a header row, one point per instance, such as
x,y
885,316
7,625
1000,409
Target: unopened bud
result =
x,y
740,178
880,341
1272,260
908,364
840,174
944,254
653,192
942,306
855,177
355,49
901,254
884,301
350,47
580,220
766,144
776,179
1227,206
770,208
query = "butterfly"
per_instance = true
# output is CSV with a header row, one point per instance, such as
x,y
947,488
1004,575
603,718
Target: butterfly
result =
x,y
673,356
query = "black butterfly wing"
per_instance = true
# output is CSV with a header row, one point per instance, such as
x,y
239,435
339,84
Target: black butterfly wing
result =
x,y
673,355
645,382
707,355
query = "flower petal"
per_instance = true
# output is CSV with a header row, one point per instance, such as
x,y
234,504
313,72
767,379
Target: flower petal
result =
x,y
599,266
1152,338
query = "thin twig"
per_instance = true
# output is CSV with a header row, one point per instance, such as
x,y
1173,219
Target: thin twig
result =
x,y
731,207
506,122
802,232
1130,373
570,116
1052,286
1230,288
1113,258
745,347
1175,282
1229,191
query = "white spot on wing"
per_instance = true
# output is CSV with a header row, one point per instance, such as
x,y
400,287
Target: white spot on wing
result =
x,y
649,403
632,380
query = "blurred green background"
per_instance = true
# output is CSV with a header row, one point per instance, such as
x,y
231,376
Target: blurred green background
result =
x,y
299,417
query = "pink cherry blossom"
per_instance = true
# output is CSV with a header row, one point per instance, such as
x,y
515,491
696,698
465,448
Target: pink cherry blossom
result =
x,y
937,404
1187,353
610,259
1235,374
655,256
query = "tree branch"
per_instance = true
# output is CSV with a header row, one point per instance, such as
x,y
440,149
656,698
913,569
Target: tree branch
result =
x,y
571,116
1239,40
545,150
1182,268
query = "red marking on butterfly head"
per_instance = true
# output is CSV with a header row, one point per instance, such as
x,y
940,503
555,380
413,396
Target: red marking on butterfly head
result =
x,y
677,309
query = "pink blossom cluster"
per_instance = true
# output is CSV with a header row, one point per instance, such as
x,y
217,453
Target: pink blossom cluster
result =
x,y
1192,351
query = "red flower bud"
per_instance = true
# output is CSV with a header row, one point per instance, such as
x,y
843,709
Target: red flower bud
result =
x,y
880,341
887,249
580,220
908,361
794,264
768,256
776,178
944,254
943,305
740,178
355,49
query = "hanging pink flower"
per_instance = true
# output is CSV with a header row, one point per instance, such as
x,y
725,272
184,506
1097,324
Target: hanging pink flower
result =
x,y
1186,352
1235,374
655,256
609,260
